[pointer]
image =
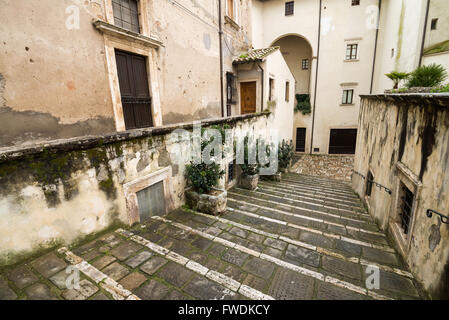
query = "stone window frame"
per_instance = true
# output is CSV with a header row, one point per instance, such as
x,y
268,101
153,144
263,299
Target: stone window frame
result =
x,y
351,41
131,188
413,183
143,44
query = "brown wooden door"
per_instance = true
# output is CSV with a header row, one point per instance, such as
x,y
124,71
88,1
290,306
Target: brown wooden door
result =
x,y
133,81
248,97
342,141
300,139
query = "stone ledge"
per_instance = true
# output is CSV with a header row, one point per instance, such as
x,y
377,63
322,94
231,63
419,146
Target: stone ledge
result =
x,y
433,99
87,142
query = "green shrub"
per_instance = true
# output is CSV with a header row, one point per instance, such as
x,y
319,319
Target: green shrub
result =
x,y
427,76
247,168
303,103
204,176
285,154
444,88
397,77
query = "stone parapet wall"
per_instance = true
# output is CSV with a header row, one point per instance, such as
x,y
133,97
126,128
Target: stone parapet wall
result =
x,y
62,191
337,167
403,140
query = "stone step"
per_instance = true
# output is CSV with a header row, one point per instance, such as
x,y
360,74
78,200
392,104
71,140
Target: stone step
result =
x,y
305,210
345,211
296,186
355,207
318,182
297,224
294,261
295,183
298,259
310,194
321,250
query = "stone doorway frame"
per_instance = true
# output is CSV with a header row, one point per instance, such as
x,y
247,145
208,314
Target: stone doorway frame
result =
x,y
131,188
412,182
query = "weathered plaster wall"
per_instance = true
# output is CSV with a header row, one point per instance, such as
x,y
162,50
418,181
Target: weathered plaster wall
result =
x,y
412,130
400,39
64,191
438,9
55,80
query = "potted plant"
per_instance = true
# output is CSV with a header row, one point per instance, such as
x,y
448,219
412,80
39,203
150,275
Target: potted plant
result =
x,y
285,155
250,172
204,196
272,177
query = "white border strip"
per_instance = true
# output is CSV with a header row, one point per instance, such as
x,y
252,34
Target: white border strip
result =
x,y
110,285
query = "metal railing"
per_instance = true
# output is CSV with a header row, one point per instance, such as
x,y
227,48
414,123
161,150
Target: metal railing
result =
x,y
387,190
444,219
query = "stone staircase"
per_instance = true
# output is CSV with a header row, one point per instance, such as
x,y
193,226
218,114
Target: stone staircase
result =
x,y
301,238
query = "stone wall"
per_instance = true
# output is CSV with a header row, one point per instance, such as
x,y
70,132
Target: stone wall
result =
x,y
337,167
403,140
65,190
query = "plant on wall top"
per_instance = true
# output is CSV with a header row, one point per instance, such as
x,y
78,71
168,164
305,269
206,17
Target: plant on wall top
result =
x,y
397,77
427,76
303,104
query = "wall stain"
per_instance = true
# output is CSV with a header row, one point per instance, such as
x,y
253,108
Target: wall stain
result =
x,y
427,138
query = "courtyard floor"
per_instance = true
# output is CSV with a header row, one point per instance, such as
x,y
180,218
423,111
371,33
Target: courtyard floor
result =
x,y
301,238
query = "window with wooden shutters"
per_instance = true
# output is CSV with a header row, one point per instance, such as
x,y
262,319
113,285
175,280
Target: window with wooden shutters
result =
x,y
289,8
351,51
230,10
231,90
126,14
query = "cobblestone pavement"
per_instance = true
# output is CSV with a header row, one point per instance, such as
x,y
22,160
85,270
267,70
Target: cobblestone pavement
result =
x,y
301,238
337,167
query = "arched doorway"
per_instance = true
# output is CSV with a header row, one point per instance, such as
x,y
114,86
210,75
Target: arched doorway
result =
x,y
297,53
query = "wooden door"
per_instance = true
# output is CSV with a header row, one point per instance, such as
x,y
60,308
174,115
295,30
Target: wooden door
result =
x,y
133,81
342,141
248,97
300,139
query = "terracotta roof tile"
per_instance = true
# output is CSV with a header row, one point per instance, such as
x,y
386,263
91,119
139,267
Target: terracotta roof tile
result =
x,y
255,55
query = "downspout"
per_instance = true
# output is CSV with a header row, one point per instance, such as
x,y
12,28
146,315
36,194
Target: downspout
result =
x,y
375,47
262,87
220,35
316,78
424,34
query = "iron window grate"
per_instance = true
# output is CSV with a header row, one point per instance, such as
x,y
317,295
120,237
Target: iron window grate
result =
x,y
231,168
406,208
289,8
126,14
369,184
305,64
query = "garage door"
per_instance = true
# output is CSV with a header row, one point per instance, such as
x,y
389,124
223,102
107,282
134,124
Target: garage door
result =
x,y
342,141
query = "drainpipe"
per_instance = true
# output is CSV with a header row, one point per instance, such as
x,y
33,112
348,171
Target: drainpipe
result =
x,y
220,35
424,34
316,78
375,47
262,82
